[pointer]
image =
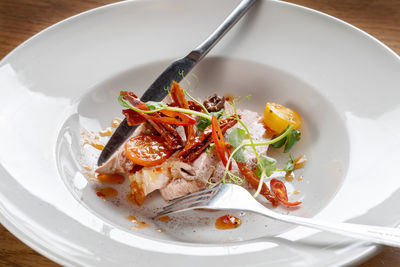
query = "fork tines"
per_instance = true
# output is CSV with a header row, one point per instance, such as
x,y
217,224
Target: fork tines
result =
x,y
190,201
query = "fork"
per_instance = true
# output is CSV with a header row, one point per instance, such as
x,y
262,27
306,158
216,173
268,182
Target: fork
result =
x,y
234,197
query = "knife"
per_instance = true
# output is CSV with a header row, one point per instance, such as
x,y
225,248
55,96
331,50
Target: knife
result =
x,y
157,92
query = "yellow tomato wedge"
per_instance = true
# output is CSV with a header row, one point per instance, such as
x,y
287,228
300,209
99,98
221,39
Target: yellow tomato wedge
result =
x,y
278,117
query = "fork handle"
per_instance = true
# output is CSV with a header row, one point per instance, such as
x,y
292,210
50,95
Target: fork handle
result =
x,y
382,235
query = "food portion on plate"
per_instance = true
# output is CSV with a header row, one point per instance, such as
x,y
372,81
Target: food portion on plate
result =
x,y
182,145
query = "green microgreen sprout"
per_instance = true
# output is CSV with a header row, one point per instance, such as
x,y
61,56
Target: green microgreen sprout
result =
x,y
157,106
265,165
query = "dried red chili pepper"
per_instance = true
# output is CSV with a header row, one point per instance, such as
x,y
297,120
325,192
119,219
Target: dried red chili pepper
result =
x,y
133,117
178,96
201,142
279,189
169,133
254,181
219,142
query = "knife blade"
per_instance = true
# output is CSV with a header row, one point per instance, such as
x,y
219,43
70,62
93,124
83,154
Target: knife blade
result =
x,y
157,92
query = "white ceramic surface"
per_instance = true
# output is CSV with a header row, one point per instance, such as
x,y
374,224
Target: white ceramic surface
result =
x,y
343,82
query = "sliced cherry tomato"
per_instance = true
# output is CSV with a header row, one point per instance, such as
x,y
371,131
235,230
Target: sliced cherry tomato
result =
x,y
147,150
280,192
278,117
219,142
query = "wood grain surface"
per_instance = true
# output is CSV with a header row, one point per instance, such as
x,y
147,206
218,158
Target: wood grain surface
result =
x,y
21,19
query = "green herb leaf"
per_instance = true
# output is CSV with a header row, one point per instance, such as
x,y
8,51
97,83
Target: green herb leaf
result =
x,y
280,143
154,105
289,165
266,164
236,138
292,139
203,123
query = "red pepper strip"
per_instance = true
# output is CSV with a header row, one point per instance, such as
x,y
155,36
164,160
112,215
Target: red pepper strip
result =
x,y
254,181
219,141
194,106
201,142
280,192
177,118
132,117
169,133
178,96
172,117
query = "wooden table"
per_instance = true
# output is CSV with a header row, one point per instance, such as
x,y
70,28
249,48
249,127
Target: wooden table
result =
x,y
20,19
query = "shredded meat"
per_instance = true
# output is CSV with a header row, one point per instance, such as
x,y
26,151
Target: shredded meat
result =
x,y
183,170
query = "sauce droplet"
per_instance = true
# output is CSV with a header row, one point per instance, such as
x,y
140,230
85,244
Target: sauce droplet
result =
x,y
289,176
227,222
300,178
107,192
139,224
269,133
111,178
115,122
137,195
300,162
229,97
86,167
95,144
106,132
164,219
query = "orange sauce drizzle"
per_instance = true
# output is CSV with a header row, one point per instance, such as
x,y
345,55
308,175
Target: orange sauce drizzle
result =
x,y
164,219
137,195
229,97
269,133
106,132
289,176
115,122
95,144
86,167
139,224
300,162
111,178
227,222
107,192
158,169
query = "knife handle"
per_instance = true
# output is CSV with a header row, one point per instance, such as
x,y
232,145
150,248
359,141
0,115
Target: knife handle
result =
x,y
202,50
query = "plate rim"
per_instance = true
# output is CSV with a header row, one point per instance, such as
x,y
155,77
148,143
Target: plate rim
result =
x,y
37,243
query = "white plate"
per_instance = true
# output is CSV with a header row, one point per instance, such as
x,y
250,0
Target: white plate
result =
x,y
342,81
